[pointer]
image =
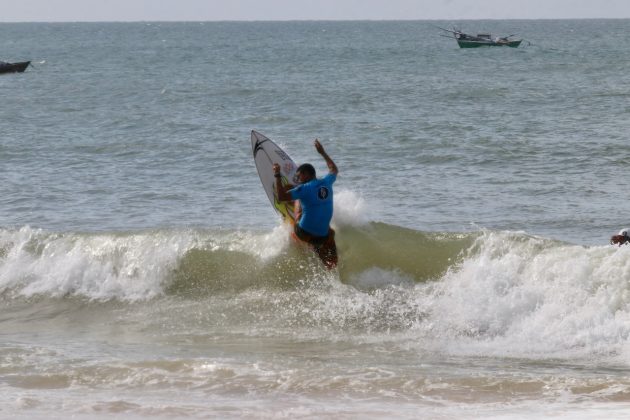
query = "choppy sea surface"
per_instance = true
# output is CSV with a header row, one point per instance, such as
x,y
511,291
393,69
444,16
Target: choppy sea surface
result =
x,y
143,273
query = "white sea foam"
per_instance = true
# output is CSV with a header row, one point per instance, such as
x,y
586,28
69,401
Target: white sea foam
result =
x,y
528,297
350,209
264,246
377,278
97,266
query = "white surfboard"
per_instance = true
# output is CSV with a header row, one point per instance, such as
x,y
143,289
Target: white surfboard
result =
x,y
266,153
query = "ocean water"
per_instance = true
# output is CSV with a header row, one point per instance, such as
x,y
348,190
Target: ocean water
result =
x,y
143,273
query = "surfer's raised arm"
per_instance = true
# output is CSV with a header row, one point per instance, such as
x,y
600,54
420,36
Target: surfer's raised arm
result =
x,y
332,168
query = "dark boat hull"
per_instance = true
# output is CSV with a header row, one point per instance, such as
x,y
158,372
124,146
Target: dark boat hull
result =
x,y
14,67
476,44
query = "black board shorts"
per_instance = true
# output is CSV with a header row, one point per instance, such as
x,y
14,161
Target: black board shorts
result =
x,y
324,246
307,237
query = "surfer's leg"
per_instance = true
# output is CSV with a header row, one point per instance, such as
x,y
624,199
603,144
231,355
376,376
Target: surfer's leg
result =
x,y
327,251
323,246
301,237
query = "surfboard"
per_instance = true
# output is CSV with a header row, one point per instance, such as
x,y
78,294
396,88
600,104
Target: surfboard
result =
x,y
266,153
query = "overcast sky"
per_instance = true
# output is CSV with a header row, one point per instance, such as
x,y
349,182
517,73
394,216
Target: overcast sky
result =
x,y
212,10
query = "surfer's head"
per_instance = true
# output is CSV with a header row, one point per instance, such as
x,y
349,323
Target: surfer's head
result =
x,y
305,173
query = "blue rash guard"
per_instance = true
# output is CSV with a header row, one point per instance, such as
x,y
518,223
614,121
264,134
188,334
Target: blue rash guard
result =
x,y
316,198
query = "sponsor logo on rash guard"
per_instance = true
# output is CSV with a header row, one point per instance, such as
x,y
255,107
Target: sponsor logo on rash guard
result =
x,y
322,193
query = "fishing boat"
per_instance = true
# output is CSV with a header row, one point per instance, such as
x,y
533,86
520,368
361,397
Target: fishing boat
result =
x,y
465,40
13,67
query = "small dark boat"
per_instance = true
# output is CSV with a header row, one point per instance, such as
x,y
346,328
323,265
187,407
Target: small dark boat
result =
x,y
13,67
482,40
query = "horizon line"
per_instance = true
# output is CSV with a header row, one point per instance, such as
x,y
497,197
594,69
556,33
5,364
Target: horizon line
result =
x,y
310,20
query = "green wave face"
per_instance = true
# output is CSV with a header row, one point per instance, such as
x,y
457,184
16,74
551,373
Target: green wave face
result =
x,y
417,255
143,265
420,255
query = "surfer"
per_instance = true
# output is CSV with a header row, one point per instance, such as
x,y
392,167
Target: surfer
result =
x,y
314,206
621,238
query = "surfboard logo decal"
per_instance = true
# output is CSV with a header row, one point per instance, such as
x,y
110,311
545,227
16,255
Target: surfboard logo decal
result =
x,y
258,147
282,155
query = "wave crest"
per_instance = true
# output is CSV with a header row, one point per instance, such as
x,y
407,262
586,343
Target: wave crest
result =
x,y
143,265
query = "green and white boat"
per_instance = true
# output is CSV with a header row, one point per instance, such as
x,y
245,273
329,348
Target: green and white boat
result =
x,y
465,40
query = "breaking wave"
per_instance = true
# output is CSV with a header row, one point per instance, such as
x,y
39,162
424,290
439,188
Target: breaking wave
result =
x,y
142,265
506,294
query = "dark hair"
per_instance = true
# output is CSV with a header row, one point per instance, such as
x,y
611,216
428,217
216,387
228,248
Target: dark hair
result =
x,y
306,168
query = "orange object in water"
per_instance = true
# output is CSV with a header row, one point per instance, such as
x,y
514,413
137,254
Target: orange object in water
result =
x,y
619,240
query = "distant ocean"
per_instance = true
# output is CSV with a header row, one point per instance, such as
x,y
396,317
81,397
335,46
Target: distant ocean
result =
x,y
143,273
